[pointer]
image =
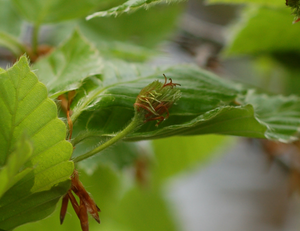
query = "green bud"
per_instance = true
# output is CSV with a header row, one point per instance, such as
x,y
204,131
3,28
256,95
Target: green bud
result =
x,y
155,100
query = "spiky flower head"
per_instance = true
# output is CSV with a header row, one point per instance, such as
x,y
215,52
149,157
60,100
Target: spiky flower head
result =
x,y
295,5
155,100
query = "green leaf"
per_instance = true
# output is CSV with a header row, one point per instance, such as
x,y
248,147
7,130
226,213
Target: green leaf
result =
x,y
125,51
50,11
279,114
26,109
109,47
259,2
10,173
128,7
226,120
65,68
154,25
10,20
12,43
208,105
247,37
122,36
10,28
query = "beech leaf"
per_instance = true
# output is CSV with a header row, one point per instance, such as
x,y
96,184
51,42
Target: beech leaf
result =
x,y
27,110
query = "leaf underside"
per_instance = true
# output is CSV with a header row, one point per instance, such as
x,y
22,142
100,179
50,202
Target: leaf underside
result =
x,y
128,7
260,2
208,105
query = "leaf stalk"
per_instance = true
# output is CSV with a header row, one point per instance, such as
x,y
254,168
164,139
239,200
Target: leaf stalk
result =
x,y
136,122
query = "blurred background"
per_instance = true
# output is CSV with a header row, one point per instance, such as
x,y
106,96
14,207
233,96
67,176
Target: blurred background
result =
x,y
200,183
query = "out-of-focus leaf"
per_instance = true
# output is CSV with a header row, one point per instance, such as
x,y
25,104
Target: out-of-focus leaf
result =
x,y
125,50
11,172
127,7
49,11
10,28
110,48
154,25
26,110
248,38
10,42
10,20
208,105
260,2
177,154
121,36
68,65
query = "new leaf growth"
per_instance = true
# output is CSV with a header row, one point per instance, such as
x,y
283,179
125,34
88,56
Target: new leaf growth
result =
x,y
152,103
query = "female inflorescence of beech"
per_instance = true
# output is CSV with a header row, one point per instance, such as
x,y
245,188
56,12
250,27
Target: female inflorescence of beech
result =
x,y
295,5
155,100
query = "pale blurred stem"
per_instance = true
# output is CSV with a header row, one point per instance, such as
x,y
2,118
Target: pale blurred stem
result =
x,y
136,122
35,38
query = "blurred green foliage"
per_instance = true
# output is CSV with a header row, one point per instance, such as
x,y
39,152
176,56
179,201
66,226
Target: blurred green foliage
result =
x,y
127,180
